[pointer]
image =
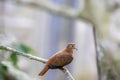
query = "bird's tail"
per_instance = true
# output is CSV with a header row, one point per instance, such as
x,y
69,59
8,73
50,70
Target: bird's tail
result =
x,y
44,70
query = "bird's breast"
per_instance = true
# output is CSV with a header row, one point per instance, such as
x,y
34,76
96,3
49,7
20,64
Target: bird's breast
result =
x,y
60,61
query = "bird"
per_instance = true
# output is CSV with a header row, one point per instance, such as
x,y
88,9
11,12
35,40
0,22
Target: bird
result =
x,y
59,59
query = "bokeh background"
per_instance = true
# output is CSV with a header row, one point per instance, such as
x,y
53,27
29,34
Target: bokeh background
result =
x,y
46,31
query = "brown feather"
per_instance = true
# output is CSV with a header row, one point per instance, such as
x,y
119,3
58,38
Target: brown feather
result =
x,y
60,59
44,70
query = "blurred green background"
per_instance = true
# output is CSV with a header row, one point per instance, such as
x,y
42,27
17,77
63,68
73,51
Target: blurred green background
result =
x,y
44,27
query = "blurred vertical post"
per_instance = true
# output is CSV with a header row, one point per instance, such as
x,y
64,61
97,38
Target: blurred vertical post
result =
x,y
5,39
1,25
60,32
85,67
67,27
2,14
97,53
53,39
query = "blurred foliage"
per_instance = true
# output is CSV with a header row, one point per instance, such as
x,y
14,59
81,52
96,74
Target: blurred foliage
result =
x,y
14,58
9,70
3,69
22,48
118,62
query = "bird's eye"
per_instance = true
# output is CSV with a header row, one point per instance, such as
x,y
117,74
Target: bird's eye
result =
x,y
71,45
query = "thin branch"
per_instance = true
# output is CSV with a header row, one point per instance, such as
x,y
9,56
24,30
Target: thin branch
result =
x,y
97,53
22,54
65,70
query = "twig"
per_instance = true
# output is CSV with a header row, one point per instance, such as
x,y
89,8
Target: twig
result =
x,y
65,70
22,54
97,53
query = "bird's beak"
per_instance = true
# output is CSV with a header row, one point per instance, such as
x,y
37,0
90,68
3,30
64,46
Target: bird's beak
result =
x,y
76,49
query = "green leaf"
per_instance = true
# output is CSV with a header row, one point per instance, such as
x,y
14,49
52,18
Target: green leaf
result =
x,y
1,76
14,59
24,48
3,68
1,73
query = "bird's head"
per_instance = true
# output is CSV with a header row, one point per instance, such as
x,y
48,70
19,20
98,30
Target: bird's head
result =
x,y
71,46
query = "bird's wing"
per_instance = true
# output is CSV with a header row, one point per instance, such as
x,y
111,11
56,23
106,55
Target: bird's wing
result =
x,y
60,60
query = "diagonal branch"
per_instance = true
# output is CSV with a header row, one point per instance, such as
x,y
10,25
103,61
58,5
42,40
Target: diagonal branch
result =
x,y
2,47
65,70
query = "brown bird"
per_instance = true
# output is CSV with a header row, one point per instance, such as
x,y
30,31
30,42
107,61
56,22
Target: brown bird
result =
x,y
60,59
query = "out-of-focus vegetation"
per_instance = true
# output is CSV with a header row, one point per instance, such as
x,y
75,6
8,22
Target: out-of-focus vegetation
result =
x,y
3,69
30,21
9,69
22,48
